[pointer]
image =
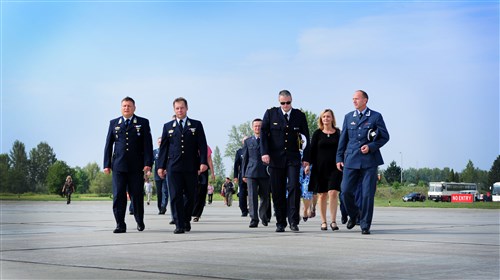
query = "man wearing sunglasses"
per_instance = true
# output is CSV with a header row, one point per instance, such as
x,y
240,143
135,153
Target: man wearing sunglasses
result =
x,y
281,140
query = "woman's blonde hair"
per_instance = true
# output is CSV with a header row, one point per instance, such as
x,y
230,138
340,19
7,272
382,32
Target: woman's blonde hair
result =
x,y
320,123
68,178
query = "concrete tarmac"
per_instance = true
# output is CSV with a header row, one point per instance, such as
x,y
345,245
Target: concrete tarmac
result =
x,y
52,240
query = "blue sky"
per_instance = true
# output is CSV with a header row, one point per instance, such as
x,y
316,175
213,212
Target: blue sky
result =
x,y
430,67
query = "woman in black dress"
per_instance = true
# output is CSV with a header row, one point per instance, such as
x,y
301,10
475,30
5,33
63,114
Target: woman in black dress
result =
x,y
325,178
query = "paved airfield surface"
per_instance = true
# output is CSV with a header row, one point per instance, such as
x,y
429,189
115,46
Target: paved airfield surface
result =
x,y
52,240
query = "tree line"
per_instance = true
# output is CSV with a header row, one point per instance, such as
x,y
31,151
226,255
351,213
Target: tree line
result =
x,y
42,172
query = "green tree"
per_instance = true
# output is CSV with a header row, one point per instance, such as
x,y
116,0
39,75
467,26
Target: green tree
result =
x,y
469,174
91,170
451,176
81,180
392,173
312,121
102,184
219,169
4,173
57,175
41,158
494,173
19,163
236,135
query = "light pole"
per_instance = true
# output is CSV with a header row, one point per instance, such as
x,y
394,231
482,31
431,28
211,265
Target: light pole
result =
x,y
401,153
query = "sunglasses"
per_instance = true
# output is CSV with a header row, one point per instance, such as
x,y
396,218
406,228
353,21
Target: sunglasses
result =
x,y
287,103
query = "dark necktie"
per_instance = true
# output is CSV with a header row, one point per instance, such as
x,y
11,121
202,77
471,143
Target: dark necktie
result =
x,y
127,122
258,140
286,117
360,115
180,122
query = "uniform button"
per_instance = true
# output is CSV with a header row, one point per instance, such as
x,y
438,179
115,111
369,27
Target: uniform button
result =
x,y
286,141
127,144
285,148
182,146
126,133
182,141
182,152
126,138
127,149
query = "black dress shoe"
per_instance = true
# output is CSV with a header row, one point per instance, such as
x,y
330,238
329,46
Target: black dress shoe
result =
x,y
140,226
172,222
178,230
120,230
253,224
187,226
365,231
244,214
280,229
351,223
264,223
294,228
162,212
344,220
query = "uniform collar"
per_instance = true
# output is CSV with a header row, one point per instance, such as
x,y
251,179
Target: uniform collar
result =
x,y
366,112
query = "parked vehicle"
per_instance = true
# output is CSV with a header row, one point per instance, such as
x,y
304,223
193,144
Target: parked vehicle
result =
x,y
442,191
414,196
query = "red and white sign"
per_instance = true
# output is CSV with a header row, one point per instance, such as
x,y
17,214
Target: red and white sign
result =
x,y
462,198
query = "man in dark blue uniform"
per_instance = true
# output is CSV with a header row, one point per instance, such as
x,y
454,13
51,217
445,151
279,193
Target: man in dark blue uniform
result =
x,y
358,155
242,185
280,143
161,184
183,156
132,155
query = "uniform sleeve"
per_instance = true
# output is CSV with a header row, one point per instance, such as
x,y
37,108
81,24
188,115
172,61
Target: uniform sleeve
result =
x,y
305,130
264,133
148,145
163,152
382,137
202,145
108,148
344,135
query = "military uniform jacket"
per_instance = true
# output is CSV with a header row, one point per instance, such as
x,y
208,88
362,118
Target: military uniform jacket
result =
x,y
183,150
355,134
281,140
133,146
238,163
252,166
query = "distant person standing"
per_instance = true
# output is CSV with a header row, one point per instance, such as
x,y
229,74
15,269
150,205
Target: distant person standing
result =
x,y
210,192
183,156
228,191
148,188
358,155
128,153
281,140
68,188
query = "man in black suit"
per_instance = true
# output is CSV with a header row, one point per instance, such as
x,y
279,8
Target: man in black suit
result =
x,y
281,140
242,185
255,175
131,157
183,156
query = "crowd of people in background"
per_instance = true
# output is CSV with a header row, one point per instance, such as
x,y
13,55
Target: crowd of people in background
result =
x,y
279,163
